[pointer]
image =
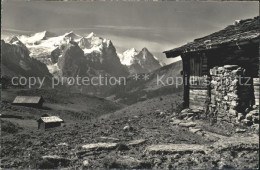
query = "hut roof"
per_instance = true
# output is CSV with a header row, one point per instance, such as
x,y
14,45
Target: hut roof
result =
x,y
241,32
27,99
51,119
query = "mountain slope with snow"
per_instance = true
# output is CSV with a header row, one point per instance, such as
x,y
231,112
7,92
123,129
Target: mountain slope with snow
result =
x,y
100,53
139,61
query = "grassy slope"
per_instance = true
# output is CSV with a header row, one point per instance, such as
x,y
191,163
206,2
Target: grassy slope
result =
x,y
69,106
137,90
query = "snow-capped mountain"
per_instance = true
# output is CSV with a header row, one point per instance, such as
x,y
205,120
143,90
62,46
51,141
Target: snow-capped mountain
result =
x,y
17,62
99,53
139,61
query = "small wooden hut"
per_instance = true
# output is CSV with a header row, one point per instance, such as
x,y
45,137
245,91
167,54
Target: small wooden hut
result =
x,y
30,101
47,122
235,46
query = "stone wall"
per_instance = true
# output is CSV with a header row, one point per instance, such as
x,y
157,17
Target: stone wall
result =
x,y
256,83
232,95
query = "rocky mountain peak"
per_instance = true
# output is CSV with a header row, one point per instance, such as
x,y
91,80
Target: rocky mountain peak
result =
x,y
92,34
139,61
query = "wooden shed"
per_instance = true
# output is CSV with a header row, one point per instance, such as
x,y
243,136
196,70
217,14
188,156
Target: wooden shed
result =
x,y
30,101
235,46
49,122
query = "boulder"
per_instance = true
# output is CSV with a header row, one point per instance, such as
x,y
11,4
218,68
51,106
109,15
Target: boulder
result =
x,y
240,116
255,119
194,130
176,148
127,128
85,163
249,117
231,67
238,130
185,110
237,143
63,144
176,121
99,146
246,122
254,112
136,142
187,124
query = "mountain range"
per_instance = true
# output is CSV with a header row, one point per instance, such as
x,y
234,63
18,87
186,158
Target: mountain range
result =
x,y
70,55
99,53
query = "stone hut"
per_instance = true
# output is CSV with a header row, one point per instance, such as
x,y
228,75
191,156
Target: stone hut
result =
x,y
221,70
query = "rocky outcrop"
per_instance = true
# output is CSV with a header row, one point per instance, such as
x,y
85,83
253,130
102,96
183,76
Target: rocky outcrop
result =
x,y
17,62
104,57
72,61
139,61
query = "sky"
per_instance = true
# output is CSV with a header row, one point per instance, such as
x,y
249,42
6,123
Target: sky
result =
x,y
158,26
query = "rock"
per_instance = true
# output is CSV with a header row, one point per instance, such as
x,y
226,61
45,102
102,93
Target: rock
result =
x,y
190,114
63,144
255,127
136,117
194,130
234,104
185,110
136,142
85,163
99,146
127,162
176,148
127,128
249,117
237,143
196,111
162,113
56,160
255,119
246,122
238,130
188,124
190,118
254,112
231,67
224,165
255,107
186,118
232,112
201,133
240,116
176,121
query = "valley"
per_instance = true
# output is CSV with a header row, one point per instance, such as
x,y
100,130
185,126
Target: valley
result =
x,y
140,124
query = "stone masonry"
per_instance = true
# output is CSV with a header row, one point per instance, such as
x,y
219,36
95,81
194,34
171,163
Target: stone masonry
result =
x,y
232,95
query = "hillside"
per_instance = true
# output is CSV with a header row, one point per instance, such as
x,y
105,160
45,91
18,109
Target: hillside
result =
x,y
142,135
16,61
142,89
70,105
